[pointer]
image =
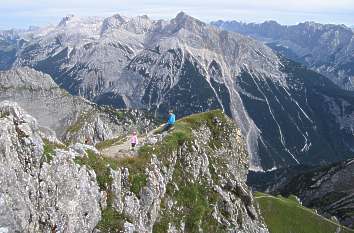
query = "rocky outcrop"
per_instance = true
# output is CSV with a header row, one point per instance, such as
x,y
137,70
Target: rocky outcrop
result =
x,y
41,190
191,180
195,185
73,119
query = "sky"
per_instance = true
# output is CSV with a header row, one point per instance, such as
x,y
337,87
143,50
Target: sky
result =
x,y
25,13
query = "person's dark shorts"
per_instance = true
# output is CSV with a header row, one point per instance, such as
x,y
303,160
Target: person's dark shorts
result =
x,y
133,145
167,127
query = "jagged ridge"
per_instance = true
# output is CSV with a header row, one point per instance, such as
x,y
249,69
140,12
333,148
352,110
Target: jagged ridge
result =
x,y
326,48
73,119
192,179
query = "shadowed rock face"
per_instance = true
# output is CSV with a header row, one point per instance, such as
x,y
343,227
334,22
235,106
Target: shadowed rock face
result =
x,y
328,49
330,190
288,114
193,172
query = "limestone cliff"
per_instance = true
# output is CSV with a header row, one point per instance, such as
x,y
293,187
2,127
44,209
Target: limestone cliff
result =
x,y
191,179
41,190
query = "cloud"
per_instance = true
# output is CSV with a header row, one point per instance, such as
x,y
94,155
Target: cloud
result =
x,y
21,13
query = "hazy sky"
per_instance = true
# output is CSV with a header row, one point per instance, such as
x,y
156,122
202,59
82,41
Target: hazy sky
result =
x,y
23,13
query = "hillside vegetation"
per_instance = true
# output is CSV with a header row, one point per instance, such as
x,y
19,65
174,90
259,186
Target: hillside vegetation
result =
x,y
287,215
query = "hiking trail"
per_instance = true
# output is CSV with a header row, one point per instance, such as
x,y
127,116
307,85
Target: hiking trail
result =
x,y
124,149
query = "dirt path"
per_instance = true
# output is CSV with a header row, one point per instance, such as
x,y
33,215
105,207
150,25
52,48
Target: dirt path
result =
x,y
124,149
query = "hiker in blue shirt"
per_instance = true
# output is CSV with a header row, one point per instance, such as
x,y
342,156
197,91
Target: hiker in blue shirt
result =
x,y
170,121
171,118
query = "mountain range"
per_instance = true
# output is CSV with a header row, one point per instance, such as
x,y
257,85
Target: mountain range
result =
x,y
325,48
289,114
70,95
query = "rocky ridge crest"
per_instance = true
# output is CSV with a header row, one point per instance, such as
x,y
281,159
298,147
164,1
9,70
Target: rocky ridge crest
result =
x,y
49,187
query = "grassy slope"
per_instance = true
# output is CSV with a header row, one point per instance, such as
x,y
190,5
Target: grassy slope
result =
x,y
111,220
282,215
193,201
286,215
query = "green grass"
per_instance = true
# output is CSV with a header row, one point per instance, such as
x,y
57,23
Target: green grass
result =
x,y
4,114
196,200
75,127
194,197
138,181
120,115
101,166
111,221
48,149
161,226
286,215
194,205
182,133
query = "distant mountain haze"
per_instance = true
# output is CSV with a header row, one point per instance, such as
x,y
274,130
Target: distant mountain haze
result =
x,y
325,48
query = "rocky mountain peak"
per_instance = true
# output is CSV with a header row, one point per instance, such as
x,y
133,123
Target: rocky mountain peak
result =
x,y
139,24
188,22
27,78
181,16
271,25
271,22
112,22
13,112
120,18
136,25
310,24
66,20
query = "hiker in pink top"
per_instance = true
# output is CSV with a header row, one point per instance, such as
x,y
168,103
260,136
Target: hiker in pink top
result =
x,y
133,140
